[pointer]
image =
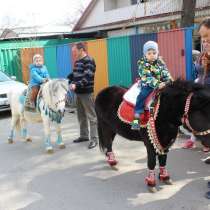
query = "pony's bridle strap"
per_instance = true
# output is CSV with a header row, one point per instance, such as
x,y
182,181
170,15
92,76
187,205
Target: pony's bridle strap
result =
x,y
185,119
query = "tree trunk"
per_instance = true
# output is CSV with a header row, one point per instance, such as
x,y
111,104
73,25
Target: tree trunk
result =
x,y
188,13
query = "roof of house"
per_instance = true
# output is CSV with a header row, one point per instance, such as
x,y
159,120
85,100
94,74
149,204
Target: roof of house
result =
x,y
85,14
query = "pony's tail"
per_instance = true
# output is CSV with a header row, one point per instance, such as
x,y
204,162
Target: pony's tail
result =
x,y
17,124
13,100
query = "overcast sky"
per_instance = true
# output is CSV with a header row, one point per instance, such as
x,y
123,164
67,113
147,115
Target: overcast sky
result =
x,y
38,12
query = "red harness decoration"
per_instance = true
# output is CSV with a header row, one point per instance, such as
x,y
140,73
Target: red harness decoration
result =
x,y
185,119
151,129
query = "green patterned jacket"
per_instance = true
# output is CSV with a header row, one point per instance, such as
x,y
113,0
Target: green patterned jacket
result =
x,y
152,74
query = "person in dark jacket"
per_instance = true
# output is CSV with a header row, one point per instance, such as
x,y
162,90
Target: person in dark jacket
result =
x,y
204,31
81,81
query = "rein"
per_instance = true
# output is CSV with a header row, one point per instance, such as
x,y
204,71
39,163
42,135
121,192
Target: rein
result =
x,y
185,119
53,115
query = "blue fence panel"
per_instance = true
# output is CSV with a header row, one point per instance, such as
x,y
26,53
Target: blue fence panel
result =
x,y
188,54
64,57
136,47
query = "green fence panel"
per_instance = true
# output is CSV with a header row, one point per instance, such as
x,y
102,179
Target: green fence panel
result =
x,y
11,63
31,43
119,61
50,61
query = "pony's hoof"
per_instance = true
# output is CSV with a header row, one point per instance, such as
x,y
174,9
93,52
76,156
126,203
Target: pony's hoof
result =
x,y
10,141
152,189
168,182
112,162
111,159
28,139
62,146
49,150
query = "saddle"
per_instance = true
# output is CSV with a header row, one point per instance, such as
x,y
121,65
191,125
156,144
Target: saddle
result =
x,y
27,98
126,108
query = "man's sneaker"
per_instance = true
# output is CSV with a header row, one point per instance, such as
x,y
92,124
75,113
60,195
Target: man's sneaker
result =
x,y
189,144
207,160
80,139
207,195
208,184
92,144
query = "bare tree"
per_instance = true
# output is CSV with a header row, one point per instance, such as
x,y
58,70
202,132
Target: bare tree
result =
x,y
188,13
70,20
8,24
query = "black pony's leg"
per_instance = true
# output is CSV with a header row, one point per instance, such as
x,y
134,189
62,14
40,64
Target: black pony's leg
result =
x,y
151,156
106,138
162,160
163,174
151,163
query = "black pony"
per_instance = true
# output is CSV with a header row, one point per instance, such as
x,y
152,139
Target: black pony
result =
x,y
178,100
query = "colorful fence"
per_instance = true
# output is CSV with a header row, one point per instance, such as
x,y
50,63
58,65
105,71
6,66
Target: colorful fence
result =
x,y
116,58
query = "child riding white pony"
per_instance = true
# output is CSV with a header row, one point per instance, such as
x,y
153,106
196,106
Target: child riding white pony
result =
x,y
50,107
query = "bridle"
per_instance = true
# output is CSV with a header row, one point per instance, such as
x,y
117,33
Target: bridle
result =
x,y
60,101
185,118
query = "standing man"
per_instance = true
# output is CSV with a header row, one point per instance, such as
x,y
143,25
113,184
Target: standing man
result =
x,y
82,82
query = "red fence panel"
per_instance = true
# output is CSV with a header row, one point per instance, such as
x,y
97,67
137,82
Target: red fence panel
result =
x,y
172,49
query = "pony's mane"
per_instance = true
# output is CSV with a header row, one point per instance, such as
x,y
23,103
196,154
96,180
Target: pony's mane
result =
x,y
183,87
52,87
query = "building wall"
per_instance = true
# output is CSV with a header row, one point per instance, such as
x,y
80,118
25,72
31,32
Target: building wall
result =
x,y
99,16
108,20
122,32
123,3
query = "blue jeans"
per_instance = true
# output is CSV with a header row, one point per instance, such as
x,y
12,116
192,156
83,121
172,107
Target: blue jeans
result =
x,y
139,108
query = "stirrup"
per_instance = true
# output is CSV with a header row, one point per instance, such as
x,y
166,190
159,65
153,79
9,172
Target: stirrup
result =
x,y
135,125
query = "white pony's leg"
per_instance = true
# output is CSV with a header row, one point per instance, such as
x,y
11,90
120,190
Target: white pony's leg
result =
x,y
46,123
24,132
59,140
14,122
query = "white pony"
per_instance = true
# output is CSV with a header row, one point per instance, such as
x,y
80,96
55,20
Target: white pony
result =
x,y
50,108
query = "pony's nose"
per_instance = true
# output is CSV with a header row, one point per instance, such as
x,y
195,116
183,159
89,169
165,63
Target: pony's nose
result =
x,y
61,111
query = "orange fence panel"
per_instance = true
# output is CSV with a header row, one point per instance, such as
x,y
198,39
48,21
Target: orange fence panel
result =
x,y
27,59
98,50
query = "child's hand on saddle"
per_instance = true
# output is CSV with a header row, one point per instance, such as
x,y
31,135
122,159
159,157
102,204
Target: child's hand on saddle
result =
x,y
161,85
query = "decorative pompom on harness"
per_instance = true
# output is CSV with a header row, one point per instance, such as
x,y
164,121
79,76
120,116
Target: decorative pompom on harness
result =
x,y
186,122
53,116
151,128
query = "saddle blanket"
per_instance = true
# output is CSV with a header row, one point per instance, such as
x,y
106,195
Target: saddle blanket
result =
x,y
126,108
126,114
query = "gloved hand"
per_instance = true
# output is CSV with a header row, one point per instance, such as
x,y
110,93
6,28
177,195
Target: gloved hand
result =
x,y
161,85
